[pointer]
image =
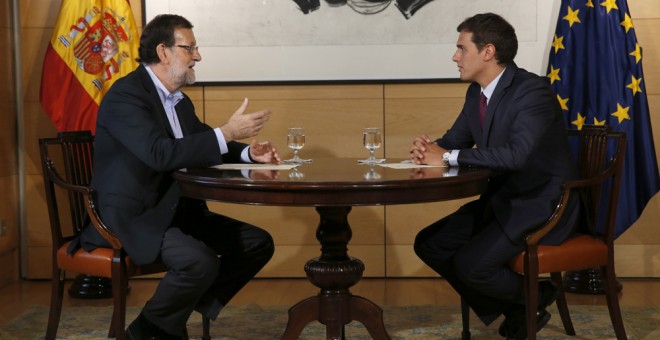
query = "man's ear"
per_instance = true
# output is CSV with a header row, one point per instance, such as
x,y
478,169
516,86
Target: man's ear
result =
x,y
489,52
163,53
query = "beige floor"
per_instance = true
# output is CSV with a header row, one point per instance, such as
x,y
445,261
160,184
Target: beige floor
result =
x,y
15,298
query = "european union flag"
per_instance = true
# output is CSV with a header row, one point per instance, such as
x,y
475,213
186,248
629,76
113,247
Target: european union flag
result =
x,y
595,67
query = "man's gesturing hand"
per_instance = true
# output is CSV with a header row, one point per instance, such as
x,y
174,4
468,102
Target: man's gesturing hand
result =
x,y
243,125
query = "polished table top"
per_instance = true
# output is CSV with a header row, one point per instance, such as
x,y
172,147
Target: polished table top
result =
x,y
333,181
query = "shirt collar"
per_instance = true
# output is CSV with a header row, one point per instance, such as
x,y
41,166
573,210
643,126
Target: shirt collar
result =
x,y
488,91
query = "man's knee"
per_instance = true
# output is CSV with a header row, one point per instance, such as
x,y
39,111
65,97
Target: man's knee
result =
x,y
473,271
197,264
421,247
266,249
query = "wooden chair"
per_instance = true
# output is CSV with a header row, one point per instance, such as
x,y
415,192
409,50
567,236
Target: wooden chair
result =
x,y
598,184
73,152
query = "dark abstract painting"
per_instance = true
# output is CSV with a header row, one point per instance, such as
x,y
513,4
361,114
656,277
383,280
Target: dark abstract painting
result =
x,y
367,7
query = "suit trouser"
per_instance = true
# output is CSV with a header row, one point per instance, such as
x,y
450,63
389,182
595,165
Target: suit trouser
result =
x,y
208,262
472,253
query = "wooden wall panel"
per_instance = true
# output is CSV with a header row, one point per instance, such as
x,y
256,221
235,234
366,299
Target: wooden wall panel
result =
x,y
9,216
9,197
649,40
640,9
333,116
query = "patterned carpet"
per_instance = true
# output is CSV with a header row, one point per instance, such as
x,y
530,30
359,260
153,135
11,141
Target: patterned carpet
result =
x,y
416,322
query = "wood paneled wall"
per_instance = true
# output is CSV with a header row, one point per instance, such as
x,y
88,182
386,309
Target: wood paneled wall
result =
x,y
333,116
9,221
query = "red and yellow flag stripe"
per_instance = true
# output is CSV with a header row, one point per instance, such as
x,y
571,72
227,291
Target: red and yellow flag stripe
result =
x,y
94,43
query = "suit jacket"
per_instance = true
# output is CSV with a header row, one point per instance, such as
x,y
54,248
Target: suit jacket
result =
x,y
524,139
135,155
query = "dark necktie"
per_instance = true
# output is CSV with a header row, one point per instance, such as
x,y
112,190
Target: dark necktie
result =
x,y
483,103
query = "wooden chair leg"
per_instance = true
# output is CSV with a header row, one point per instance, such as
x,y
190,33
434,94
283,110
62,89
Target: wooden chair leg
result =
x,y
531,304
56,296
562,305
465,315
613,301
206,325
531,292
119,289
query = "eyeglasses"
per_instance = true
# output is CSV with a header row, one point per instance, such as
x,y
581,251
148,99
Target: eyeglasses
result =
x,y
189,48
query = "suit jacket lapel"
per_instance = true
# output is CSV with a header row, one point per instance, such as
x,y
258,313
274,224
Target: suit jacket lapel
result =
x,y
159,115
500,90
184,110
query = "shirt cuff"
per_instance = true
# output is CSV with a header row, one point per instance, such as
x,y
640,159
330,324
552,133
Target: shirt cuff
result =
x,y
245,155
222,143
453,157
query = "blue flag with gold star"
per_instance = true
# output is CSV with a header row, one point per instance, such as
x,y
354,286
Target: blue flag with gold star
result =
x,y
595,67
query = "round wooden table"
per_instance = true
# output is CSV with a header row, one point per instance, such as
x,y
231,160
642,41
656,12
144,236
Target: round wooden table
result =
x,y
333,186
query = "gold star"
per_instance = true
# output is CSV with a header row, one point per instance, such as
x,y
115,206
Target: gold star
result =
x,y
572,16
553,75
563,102
609,4
627,23
621,113
590,4
579,121
634,85
558,44
596,122
637,53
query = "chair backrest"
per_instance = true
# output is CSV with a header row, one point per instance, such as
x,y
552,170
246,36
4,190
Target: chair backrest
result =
x,y
600,153
67,162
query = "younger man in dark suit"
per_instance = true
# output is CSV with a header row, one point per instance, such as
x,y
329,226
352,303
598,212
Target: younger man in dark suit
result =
x,y
513,118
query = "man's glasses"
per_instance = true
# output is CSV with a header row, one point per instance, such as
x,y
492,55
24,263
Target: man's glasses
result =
x,y
190,48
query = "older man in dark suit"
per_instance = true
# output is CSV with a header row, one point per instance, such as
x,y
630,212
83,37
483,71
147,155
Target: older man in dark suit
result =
x,y
147,129
513,118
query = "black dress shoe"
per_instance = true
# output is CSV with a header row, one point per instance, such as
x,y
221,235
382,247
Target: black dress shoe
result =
x,y
143,329
514,323
515,327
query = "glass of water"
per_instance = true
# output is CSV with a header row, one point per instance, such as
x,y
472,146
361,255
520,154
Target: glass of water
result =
x,y
295,140
372,139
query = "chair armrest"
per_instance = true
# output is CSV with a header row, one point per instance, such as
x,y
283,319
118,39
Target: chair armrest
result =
x,y
533,238
88,195
97,222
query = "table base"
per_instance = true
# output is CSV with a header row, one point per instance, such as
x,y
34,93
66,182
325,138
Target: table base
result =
x,y
335,272
335,310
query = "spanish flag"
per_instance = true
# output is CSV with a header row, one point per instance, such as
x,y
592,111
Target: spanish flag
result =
x,y
94,43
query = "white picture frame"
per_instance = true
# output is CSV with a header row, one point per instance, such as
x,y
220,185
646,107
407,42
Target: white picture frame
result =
x,y
274,41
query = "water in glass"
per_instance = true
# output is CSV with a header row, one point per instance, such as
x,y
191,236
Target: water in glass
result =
x,y
372,139
295,140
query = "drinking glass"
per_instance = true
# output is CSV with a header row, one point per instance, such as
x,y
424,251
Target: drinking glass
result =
x,y
372,139
295,140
